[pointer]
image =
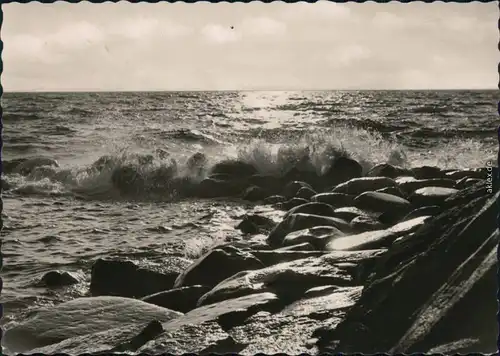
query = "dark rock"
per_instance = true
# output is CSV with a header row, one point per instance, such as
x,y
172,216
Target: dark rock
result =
x,y
304,246
466,173
388,170
427,172
349,212
291,189
302,175
275,199
316,236
181,299
292,203
425,211
393,207
336,200
467,182
271,184
254,193
361,185
364,241
305,193
431,196
300,221
341,170
55,279
254,223
234,168
280,255
127,279
393,191
410,187
452,260
217,265
82,316
365,223
311,208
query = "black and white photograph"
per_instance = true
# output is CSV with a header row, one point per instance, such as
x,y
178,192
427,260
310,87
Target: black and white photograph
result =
x,y
249,178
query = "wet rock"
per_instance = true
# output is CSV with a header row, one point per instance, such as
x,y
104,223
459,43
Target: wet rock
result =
x,y
304,246
217,265
291,189
364,241
290,280
127,279
300,221
341,170
275,199
305,193
408,226
55,279
467,182
181,299
271,184
365,223
358,186
388,170
427,172
336,200
82,316
317,236
451,259
255,193
431,196
392,191
234,168
410,187
425,211
383,203
202,339
254,223
311,208
466,173
274,257
348,213
292,203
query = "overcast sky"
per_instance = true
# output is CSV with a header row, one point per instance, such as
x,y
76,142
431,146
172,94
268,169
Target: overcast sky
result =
x,y
277,46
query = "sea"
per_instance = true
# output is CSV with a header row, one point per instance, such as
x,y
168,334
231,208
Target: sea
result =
x,y
64,216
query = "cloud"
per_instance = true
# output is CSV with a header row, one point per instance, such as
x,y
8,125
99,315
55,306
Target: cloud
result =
x,y
387,20
76,35
144,28
321,10
348,55
263,26
219,34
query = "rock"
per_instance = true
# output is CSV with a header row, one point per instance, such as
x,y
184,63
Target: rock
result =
x,y
201,339
361,185
215,188
431,196
234,168
254,223
307,175
336,200
79,317
274,199
311,208
121,339
467,182
411,186
181,299
452,260
273,257
300,221
271,184
304,246
290,280
341,170
427,172
364,241
393,191
127,279
387,170
466,173
305,193
254,193
316,236
292,203
217,265
365,223
408,226
425,211
55,279
382,203
291,189
348,213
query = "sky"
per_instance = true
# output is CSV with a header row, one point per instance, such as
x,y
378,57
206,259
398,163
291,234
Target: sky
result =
x,y
253,46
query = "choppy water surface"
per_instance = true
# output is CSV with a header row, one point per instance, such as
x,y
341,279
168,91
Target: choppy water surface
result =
x,y
65,217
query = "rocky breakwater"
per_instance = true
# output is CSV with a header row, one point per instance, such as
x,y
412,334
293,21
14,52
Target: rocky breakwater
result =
x,y
398,260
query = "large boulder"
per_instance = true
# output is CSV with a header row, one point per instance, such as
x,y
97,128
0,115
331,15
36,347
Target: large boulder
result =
x,y
411,186
181,299
234,168
291,189
317,236
341,170
79,317
336,200
57,279
387,170
314,208
431,196
452,260
427,172
392,206
366,184
128,279
217,265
